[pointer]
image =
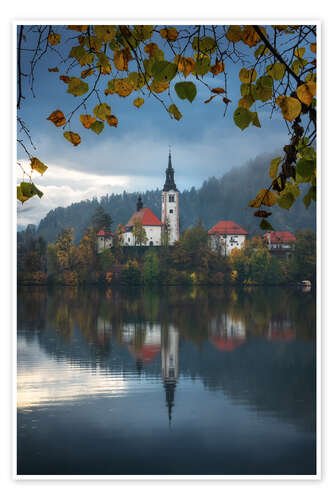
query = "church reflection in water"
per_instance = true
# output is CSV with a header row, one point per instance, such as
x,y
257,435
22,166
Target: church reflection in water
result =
x,y
145,341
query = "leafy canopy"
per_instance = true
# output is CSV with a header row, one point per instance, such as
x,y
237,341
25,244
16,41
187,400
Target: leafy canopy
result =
x,y
168,63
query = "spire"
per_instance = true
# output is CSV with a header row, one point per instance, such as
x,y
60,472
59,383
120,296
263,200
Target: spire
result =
x,y
169,177
139,204
170,387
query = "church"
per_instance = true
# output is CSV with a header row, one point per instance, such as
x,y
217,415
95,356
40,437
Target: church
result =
x,y
156,231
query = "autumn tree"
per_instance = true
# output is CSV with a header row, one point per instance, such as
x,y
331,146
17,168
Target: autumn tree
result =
x,y
276,67
139,233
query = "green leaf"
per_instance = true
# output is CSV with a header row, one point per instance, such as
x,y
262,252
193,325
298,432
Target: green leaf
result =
x,y
202,66
186,90
97,127
262,49
27,190
286,200
266,226
206,45
242,118
305,168
276,71
102,110
310,195
164,71
273,169
77,87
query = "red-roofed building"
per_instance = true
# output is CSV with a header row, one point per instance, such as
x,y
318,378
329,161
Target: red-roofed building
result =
x,y
225,236
151,224
280,243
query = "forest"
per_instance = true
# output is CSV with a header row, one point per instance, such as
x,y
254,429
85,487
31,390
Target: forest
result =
x,y
223,198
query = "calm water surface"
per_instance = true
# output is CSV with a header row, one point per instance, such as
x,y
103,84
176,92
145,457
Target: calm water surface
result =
x,y
178,381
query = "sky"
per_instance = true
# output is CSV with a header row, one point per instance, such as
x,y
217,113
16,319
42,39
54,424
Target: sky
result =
x,y
133,156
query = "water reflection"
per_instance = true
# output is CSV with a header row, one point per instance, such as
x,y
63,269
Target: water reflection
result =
x,y
196,361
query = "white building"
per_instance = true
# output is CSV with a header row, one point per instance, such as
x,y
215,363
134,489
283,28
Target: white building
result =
x,y
225,236
151,224
104,240
154,228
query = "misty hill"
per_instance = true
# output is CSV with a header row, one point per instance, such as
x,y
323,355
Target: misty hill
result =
x,y
225,198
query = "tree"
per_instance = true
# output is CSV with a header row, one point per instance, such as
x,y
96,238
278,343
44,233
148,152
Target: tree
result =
x,y
303,264
139,233
151,268
279,70
101,220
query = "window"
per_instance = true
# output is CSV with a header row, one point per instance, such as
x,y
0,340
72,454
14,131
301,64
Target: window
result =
x,y
171,211
171,197
151,243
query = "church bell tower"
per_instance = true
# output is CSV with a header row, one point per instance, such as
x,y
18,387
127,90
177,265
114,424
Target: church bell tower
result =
x,y
170,205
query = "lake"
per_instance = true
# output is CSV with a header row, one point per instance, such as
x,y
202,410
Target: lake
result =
x,y
173,381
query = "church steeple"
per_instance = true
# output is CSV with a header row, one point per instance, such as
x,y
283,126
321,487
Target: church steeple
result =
x,y
169,177
139,204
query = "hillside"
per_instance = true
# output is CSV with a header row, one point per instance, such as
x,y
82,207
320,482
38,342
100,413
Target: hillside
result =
x,y
218,198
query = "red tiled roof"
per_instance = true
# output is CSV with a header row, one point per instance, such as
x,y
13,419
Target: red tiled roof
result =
x,y
226,227
146,217
227,344
280,237
104,232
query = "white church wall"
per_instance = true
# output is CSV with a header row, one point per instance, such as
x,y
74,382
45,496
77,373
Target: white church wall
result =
x,y
103,243
170,214
225,245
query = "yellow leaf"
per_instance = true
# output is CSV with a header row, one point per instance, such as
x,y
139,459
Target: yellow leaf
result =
x,y
158,87
250,36
77,27
72,137
247,75
170,34
185,64
299,52
123,87
151,48
290,107
234,33
246,102
121,58
36,164
217,68
174,111
264,197
306,92
138,102
112,120
87,120
313,48
57,118
54,38
255,120
64,78
87,72
105,32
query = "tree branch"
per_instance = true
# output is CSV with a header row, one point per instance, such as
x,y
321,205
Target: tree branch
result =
x,y
276,54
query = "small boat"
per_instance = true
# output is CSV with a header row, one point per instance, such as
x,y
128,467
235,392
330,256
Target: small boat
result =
x,y
305,284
